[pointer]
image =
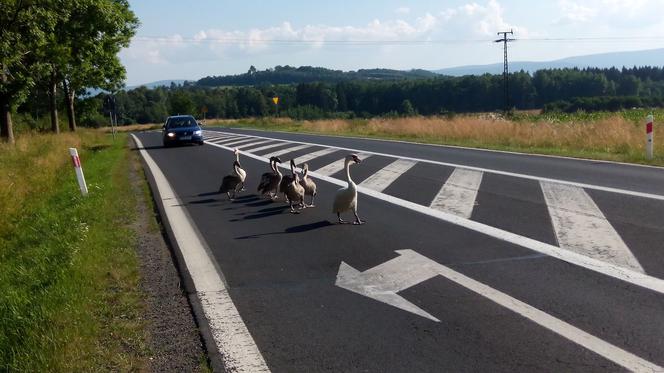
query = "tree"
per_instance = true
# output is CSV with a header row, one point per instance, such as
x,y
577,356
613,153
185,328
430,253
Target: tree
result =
x,y
25,25
92,35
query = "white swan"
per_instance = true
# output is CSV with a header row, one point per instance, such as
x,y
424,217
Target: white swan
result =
x,y
346,198
308,184
234,181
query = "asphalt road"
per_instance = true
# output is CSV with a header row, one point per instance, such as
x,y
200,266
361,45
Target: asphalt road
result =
x,y
473,287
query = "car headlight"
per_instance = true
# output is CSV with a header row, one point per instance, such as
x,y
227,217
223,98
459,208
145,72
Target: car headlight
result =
x,y
198,133
171,134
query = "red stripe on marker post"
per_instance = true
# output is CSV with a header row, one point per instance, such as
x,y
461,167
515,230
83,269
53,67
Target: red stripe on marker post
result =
x,y
79,171
649,136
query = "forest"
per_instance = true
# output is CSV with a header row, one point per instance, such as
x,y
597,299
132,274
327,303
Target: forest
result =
x,y
567,90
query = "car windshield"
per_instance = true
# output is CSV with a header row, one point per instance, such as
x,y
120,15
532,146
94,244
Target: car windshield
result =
x,y
181,122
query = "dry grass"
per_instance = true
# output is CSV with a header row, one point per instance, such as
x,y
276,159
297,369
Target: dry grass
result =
x,y
132,128
30,168
605,137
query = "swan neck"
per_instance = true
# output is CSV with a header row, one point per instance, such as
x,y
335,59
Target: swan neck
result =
x,y
347,168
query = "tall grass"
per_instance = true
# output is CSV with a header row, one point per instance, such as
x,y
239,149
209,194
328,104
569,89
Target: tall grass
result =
x,y
611,136
68,271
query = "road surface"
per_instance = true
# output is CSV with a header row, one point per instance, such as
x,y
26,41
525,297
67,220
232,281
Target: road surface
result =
x,y
470,260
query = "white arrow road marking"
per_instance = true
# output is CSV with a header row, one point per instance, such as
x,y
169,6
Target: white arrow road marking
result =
x,y
286,151
410,268
458,194
386,176
337,165
384,281
581,227
235,344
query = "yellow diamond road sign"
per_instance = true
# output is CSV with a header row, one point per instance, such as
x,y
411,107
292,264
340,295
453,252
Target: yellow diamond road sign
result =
x,y
275,100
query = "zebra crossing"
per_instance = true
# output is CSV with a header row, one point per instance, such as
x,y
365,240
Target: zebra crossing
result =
x,y
576,220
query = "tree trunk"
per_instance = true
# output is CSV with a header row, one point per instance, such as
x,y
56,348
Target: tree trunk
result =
x,y
53,103
6,129
69,99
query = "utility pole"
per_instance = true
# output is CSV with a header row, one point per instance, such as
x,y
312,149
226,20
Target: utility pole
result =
x,y
504,40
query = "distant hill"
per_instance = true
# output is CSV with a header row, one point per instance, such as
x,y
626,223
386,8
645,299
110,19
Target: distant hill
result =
x,y
652,57
308,74
160,83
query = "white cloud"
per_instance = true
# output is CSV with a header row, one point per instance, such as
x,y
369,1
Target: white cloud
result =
x,y
469,21
572,12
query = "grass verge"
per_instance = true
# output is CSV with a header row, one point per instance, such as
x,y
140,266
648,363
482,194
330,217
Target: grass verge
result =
x,y
603,136
69,298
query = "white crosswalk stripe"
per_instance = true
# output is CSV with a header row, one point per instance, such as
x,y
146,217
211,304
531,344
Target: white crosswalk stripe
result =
x,y
458,194
316,154
337,165
386,176
226,140
237,142
581,227
265,147
252,144
286,151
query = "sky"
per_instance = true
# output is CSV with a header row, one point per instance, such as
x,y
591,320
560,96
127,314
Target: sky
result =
x,y
198,38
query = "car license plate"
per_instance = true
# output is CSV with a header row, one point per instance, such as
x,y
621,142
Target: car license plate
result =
x,y
185,137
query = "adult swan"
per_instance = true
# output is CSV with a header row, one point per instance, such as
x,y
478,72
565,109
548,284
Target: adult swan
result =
x,y
346,198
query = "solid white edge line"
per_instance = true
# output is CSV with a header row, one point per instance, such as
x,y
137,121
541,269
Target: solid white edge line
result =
x,y
497,172
608,269
234,342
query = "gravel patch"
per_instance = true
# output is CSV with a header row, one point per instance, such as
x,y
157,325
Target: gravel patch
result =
x,y
173,338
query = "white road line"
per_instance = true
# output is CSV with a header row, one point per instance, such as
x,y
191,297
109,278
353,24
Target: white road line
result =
x,y
236,346
286,151
386,176
252,144
606,350
337,165
225,140
237,142
316,154
458,194
608,269
582,227
270,146
497,172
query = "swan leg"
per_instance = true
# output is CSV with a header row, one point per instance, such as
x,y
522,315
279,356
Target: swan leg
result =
x,y
341,221
242,188
312,201
292,210
357,221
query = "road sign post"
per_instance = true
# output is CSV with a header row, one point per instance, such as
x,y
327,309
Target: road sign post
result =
x,y
275,99
79,171
649,139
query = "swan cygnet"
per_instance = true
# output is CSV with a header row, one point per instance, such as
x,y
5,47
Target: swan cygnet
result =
x,y
269,184
308,184
240,171
233,182
346,198
294,191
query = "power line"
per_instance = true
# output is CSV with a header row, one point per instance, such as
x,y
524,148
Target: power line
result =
x,y
246,40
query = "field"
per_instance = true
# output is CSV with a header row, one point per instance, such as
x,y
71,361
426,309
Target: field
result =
x,y
69,298
605,136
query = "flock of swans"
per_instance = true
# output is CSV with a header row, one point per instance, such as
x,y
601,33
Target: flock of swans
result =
x,y
293,187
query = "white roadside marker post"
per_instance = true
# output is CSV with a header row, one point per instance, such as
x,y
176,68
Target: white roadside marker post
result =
x,y
649,121
79,171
